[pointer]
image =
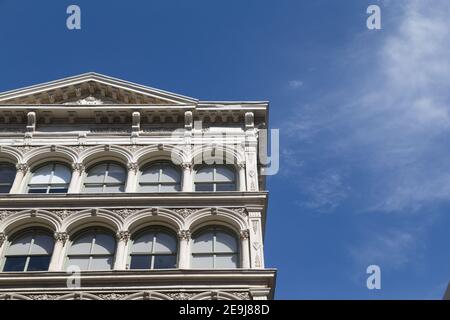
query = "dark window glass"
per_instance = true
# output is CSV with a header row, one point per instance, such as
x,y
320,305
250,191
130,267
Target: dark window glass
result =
x,y
225,187
62,190
15,264
140,262
7,176
204,187
164,262
38,263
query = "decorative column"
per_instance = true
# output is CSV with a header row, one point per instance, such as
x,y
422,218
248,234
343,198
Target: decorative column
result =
x,y
241,168
2,238
256,240
22,169
132,177
184,252
251,147
187,176
75,182
245,249
121,252
58,251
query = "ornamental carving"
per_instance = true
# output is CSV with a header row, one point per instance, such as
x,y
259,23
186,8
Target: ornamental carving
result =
x,y
242,211
43,296
244,234
5,213
241,295
63,214
90,100
186,165
78,167
124,212
181,295
185,212
113,296
23,167
61,236
123,235
2,238
184,235
132,166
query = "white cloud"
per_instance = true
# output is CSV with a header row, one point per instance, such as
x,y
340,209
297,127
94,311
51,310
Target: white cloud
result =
x,y
394,125
295,84
392,249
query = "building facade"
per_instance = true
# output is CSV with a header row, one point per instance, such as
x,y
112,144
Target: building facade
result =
x,y
114,190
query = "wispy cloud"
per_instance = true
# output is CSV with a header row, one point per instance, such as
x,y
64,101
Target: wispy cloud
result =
x,y
391,249
381,143
294,84
393,126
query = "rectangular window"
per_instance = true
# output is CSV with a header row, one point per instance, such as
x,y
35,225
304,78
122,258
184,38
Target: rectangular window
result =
x,y
140,262
15,264
38,263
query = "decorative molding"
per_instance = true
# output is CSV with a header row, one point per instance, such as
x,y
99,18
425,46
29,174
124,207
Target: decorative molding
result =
x,y
6,213
63,214
185,212
2,238
241,295
244,234
22,167
89,100
184,235
77,166
255,226
242,211
61,236
124,213
123,235
113,296
186,165
132,166
43,296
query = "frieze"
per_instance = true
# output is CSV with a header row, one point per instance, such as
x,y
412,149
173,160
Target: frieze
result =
x,y
43,296
185,212
6,213
113,296
124,213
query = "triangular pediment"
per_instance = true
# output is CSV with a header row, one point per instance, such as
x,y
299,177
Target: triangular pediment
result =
x,y
92,89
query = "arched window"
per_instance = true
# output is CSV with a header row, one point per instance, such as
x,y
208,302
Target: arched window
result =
x,y
160,177
105,177
92,250
51,178
214,248
7,175
29,251
154,249
215,178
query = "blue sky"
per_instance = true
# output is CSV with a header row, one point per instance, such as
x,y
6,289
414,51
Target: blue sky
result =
x,y
363,117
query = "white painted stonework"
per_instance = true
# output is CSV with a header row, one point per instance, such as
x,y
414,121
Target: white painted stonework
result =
x,y
86,120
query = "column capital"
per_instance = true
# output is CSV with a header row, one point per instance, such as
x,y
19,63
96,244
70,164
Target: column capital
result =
x,y
123,235
22,167
132,166
184,235
241,165
186,165
78,166
244,234
61,236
